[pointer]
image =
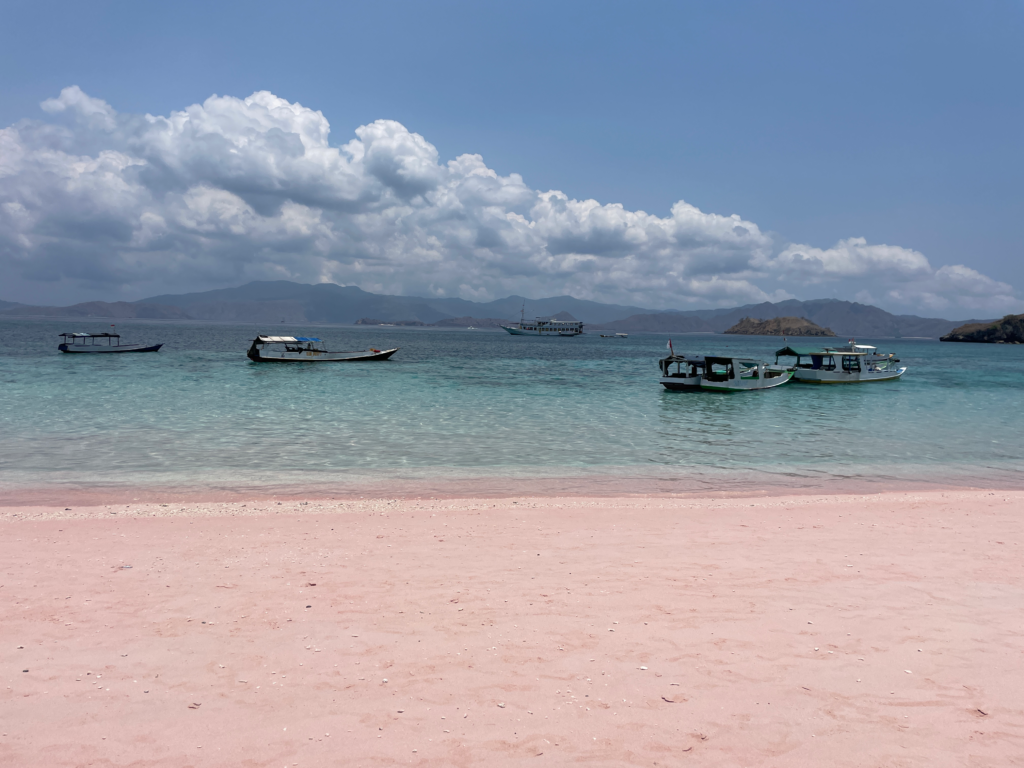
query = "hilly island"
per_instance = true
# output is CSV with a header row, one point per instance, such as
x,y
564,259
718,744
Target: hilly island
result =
x,y
1009,330
779,326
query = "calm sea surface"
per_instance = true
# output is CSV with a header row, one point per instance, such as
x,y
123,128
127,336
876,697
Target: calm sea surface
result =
x,y
483,406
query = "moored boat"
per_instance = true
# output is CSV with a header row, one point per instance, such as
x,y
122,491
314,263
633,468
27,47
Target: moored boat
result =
x,y
852,364
304,349
91,343
540,327
687,374
546,328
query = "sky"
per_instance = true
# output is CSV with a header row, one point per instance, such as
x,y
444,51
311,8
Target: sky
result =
x,y
666,155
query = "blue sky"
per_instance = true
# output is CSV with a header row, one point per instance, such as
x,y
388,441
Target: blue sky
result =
x,y
899,123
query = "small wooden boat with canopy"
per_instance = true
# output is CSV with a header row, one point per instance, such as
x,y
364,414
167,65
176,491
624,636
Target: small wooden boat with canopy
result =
x,y
93,343
307,349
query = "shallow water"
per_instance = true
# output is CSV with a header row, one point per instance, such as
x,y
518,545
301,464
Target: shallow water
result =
x,y
479,405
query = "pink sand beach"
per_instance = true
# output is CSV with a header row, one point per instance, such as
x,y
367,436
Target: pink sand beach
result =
x,y
846,630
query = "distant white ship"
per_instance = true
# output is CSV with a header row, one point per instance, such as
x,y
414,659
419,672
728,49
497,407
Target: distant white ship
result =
x,y
545,327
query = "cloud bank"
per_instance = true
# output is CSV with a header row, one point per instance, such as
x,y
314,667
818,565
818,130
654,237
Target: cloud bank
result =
x,y
239,189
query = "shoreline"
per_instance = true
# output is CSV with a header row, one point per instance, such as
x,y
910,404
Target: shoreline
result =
x,y
839,630
303,505
610,486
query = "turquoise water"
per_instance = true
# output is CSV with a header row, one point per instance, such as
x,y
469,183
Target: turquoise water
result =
x,y
479,405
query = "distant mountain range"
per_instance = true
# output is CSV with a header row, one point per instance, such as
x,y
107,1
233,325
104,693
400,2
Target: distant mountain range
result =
x,y
273,302
116,310
330,303
845,318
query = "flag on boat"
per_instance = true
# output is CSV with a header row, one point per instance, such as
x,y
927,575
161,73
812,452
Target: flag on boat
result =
x,y
670,347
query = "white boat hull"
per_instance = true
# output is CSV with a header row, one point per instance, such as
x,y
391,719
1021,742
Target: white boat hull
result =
x,y
98,349
521,332
811,376
681,383
748,383
319,356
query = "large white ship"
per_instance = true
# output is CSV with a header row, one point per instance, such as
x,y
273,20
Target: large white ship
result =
x,y
540,327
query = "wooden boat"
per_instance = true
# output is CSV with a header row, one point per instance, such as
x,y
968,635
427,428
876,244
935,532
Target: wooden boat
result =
x,y
852,364
687,375
733,374
303,349
91,343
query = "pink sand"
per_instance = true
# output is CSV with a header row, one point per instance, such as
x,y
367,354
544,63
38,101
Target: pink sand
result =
x,y
815,630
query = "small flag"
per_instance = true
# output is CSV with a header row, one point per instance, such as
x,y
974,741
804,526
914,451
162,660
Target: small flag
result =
x,y
670,347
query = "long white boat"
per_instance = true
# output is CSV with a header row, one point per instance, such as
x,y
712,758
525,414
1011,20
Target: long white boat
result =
x,y
852,364
91,343
733,374
544,327
304,349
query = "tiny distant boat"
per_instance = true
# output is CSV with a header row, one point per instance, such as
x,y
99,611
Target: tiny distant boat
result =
x,y
303,349
852,364
92,343
733,374
614,335
688,373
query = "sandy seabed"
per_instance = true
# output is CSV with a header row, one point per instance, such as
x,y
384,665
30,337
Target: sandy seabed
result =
x,y
856,630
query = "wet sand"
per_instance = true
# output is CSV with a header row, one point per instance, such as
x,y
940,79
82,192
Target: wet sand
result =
x,y
811,630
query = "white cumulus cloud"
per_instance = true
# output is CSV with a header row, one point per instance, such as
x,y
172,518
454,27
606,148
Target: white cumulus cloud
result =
x,y
238,189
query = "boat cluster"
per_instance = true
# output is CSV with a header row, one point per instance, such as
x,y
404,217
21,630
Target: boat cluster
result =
x,y
855,363
825,365
264,349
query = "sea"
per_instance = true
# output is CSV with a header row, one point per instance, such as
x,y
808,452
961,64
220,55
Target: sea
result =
x,y
459,411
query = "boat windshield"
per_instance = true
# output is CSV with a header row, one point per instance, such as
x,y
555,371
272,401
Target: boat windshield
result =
x,y
685,367
718,368
89,338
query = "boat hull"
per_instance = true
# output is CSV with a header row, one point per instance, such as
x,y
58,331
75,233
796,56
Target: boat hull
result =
x,y
96,349
319,356
810,376
521,332
681,383
747,384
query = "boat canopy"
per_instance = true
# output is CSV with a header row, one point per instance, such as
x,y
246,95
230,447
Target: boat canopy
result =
x,y
91,335
746,362
684,359
283,339
801,351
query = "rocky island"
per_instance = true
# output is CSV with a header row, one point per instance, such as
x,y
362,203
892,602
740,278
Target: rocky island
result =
x,y
779,326
1009,330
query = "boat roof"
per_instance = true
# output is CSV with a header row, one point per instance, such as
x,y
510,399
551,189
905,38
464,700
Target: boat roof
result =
x,y
92,335
726,360
853,349
685,359
801,351
283,339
